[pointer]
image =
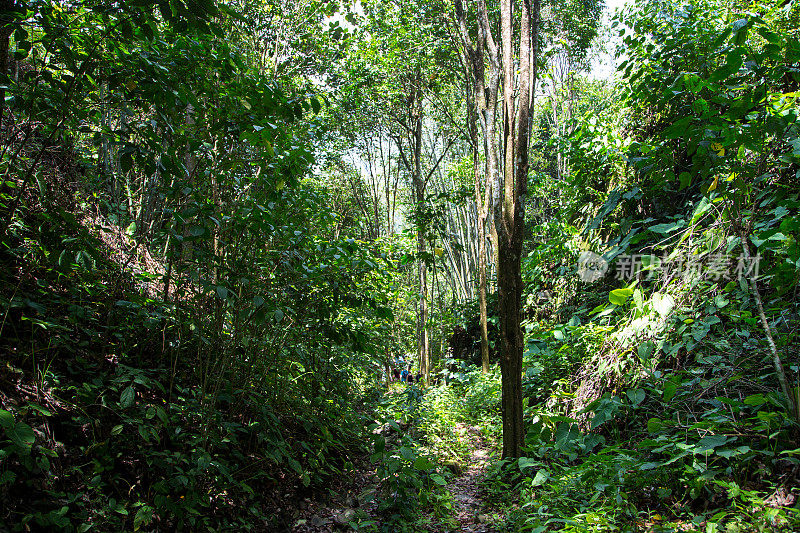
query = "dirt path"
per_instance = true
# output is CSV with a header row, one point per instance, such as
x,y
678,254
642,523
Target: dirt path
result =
x,y
345,500
330,512
469,497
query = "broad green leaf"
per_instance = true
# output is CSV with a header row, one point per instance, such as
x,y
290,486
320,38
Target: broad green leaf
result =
x,y
127,397
541,477
6,419
755,400
39,409
620,296
654,425
678,129
670,388
635,396
438,479
664,228
22,435
406,453
733,452
709,442
701,209
526,462
663,304
423,463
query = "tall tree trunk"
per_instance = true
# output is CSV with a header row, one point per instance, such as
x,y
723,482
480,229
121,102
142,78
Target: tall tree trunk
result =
x,y
419,192
485,108
518,68
509,212
482,299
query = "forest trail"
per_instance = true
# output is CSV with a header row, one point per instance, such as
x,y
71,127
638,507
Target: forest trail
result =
x,y
469,496
330,513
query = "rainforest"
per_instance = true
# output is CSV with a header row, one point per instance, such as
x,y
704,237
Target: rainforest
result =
x,y
482,266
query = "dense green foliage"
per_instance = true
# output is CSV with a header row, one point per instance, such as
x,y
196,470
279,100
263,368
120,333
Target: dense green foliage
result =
x,y
225,224
657,400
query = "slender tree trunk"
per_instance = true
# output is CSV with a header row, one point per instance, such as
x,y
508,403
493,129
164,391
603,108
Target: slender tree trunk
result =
x,y
791,394
509,213
483,309
485,110
419,190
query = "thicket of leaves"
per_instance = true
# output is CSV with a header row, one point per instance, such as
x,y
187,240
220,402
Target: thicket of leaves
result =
x,y
655,396
186,329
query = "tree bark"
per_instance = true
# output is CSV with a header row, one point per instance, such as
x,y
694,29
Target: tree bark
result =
x,y
789,392
507,198
419,192
484,108
509,212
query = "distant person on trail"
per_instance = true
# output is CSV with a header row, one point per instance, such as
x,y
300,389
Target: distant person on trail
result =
x,y
396,374
410,377
404,375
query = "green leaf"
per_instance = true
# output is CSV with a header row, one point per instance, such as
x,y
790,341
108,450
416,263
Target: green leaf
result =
x,y
635,396
663,304
755,400
407,453
733,452
709,442
685,179
670,388
664,228
6,419
127,397
620,296
439,480
541,477
678,129
144,432
701,209
423,463
21,435
39,409
654,425
526,462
